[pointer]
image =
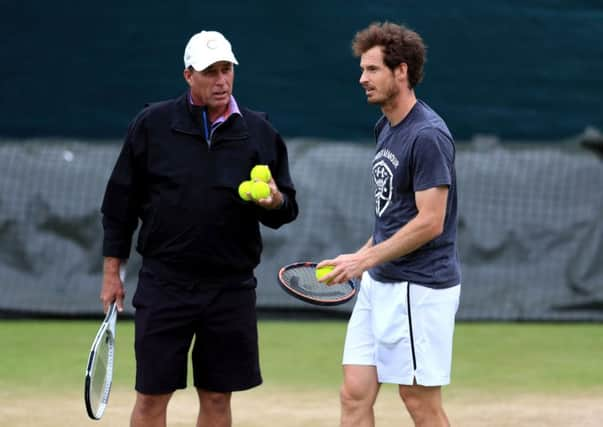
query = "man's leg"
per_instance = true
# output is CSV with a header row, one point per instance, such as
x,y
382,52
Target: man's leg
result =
x,y
358,394
214,409
150,410
424,404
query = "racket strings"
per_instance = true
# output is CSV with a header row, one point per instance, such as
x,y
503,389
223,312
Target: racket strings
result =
x,y
100,378
99,371
303,279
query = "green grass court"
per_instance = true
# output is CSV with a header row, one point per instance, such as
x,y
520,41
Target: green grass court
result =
x,y
504,375
493,357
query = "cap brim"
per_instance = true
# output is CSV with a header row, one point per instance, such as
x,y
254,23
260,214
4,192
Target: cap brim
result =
x,y
200,66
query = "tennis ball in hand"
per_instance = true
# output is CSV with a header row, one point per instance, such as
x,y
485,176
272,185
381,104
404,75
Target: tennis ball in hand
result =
x,y
261,173
323,271
244,188
260,190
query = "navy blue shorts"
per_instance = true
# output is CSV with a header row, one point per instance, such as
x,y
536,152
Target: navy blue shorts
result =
x,y
221,321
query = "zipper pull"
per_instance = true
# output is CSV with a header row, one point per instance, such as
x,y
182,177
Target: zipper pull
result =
x,y
205,125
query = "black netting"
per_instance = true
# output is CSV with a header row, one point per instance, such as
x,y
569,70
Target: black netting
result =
x,y
530,226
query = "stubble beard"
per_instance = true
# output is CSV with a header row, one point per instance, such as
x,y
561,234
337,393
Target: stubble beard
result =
x,y
388,98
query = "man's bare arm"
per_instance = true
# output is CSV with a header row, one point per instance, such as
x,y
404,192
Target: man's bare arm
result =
x,y
112,287
424,227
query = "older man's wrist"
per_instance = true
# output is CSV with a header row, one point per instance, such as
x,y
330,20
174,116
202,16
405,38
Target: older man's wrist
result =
x,y
282,202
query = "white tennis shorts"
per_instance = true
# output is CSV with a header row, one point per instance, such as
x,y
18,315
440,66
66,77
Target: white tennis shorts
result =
x,y
403,344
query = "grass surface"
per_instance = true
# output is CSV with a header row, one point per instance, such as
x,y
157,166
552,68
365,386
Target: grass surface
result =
x,y
548,358
492,357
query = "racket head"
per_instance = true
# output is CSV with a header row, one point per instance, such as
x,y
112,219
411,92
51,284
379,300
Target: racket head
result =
x,y
99,369
299,280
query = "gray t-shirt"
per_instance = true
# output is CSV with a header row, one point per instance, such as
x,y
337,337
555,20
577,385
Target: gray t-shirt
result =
x,y
416,154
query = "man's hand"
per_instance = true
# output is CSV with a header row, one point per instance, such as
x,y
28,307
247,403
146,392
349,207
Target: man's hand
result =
x,y
112,287
347,267
274,200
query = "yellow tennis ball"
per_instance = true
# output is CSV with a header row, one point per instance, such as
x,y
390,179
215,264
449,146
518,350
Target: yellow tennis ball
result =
x,y
261,173
244,188
260,190
323,271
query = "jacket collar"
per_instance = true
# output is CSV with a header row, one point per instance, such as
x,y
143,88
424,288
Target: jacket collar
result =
x,y
187,118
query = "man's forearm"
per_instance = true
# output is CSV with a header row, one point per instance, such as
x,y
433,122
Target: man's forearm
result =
x,y
111,265
409,238
367,245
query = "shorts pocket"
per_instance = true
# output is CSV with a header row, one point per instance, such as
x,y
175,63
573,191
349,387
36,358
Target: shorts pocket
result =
x,y
141,297
390,320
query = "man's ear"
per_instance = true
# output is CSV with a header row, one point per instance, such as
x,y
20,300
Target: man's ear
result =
x,y
401,71
187,74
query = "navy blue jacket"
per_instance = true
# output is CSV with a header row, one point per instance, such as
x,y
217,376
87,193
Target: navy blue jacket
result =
x,y
194,225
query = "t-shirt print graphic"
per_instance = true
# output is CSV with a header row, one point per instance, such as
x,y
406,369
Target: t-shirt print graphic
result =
x,y
383,177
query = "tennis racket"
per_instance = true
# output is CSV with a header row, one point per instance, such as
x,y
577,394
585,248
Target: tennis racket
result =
x,y
299,280
99,371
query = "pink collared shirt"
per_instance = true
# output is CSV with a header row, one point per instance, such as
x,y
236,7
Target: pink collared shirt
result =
x,y
233,108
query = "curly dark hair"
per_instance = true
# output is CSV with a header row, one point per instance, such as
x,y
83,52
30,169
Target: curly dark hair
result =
x,y
399,44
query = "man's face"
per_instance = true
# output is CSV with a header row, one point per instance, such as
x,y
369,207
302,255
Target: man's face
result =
x,y
378,81
213,86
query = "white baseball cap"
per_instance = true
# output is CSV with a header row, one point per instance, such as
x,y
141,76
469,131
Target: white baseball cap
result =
x,y
206,48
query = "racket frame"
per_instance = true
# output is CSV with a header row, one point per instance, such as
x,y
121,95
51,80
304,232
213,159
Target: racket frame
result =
x,y
106,331
303,297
